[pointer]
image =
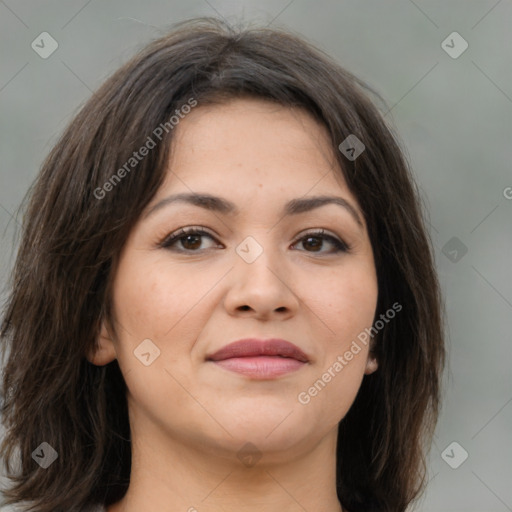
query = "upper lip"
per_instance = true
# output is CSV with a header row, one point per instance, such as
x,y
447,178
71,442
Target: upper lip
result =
x,y
258,347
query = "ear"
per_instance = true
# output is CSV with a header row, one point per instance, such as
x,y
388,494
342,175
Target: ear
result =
x,y
371,364
103,351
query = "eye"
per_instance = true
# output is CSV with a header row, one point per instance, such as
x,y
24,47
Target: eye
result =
x,y
315,240
190,239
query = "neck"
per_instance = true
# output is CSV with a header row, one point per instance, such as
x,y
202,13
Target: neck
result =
x,y
169,475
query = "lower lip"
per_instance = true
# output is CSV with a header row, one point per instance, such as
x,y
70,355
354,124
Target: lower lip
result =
x,y
261,367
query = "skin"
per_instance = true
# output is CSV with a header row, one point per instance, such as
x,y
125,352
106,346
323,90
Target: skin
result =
x,y
189,417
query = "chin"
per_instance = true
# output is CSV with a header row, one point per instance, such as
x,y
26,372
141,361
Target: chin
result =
x,y
270,432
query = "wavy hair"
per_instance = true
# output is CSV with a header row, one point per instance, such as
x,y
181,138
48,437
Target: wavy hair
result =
x,y
60,286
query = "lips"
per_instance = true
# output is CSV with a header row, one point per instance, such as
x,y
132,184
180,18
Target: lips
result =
x,y
252,347
260,359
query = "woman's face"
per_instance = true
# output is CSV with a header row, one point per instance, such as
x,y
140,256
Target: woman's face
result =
x,y
255,274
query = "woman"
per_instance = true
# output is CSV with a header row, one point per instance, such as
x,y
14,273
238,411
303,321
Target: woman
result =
x,y
224,295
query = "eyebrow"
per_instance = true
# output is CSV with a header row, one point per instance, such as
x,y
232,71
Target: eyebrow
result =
x,y
223,206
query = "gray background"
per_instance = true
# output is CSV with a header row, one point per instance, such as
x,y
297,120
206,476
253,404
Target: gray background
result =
x,y
453,115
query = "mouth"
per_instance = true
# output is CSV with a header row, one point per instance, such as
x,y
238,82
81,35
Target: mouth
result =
x,y
260,359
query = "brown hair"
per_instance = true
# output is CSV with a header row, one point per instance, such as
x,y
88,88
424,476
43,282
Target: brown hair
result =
x,y
61,282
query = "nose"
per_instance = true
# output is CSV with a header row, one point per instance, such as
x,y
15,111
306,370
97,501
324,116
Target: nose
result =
x,y
261,289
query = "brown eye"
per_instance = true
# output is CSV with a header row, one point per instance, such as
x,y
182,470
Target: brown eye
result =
x,y
316,240
190,240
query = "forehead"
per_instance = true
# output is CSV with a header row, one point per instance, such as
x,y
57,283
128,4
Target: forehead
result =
x,y
255,141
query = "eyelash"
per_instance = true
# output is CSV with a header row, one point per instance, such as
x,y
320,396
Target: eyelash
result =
x,y
170,240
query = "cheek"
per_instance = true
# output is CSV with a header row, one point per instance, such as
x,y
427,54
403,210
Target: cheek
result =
x,y
345,300
151,298
331,394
